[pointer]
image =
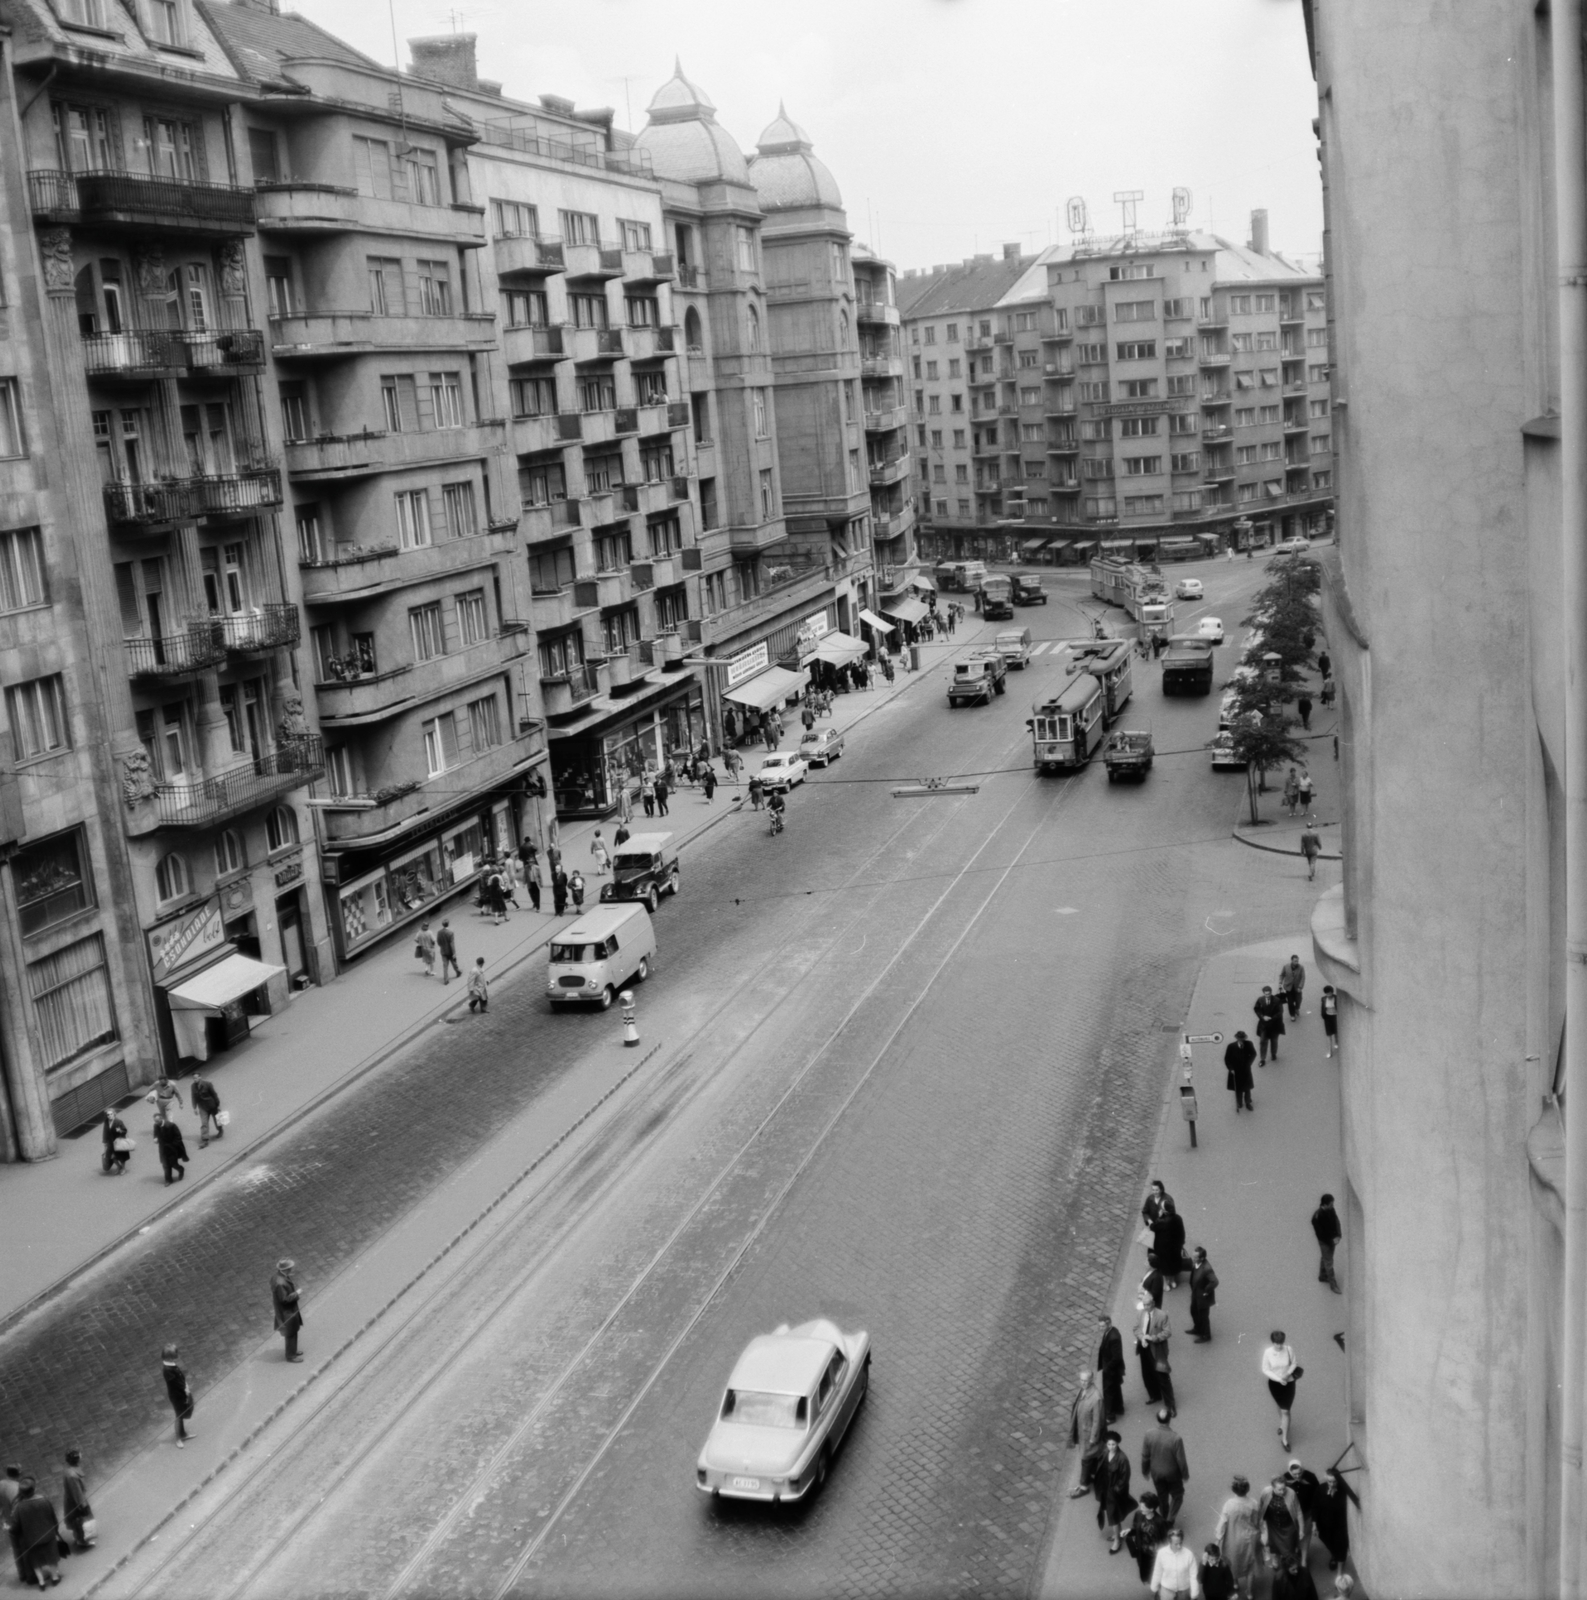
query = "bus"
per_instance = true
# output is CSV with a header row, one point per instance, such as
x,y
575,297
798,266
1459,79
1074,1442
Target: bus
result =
x,y
1066,731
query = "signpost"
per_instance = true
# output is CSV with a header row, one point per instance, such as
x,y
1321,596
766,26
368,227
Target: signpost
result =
x,y
1187,1088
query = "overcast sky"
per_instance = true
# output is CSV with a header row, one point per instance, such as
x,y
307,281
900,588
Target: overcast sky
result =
x,y
950,125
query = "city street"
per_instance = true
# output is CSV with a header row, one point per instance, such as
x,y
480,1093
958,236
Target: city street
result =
x,y
907,1066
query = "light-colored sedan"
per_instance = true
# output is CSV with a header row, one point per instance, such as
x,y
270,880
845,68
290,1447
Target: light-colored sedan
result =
x,y
820,746
781,770
1188,589
1224,758
1292,547
788,1404
1210,628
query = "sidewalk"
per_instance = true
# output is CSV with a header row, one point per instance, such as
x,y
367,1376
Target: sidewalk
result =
x,y
1246,1194
1277,830
324,1040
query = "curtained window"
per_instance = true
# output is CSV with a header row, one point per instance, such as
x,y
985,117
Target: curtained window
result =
x,y
71,1000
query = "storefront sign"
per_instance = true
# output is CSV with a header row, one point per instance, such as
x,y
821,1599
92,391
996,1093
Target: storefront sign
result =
x,y
290,871
186,938
1138,408
747,663
810,634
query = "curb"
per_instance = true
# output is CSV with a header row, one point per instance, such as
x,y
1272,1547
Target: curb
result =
x,y
1282,850
435,1018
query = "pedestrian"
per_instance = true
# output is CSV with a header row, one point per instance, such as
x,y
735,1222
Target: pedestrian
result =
x,y
1303,706
887,665
1163,1461
1280,1515
1168,1243
162,1096
766,734
424,949
1306,1488
1330,1518
289,1314
118,1146
1328,1009
1311,846
559,891
1088,1426
1239,1535
1152,1205
1239,1056
662,791
1293,1582
1110,1367
446,943
531,882
953,618
478,988
1269,1011
1148,1531
1325,1224
647,793
621,837
734,763
576,890
74,1496
10,1487
529,859
1203,1296
1174,1572
1217,1577
492,899
1143,1351
179,1391
756,790
1325,667
708,781
1112,1485
1292,791
1281,1372
807,717
1329,692
1336,747
1291,982
36,1537
1157,1330
600,855
1344,1586
173,1150
206,1102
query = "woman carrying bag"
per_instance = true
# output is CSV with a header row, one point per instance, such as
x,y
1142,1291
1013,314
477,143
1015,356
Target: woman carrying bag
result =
x,y
119,1144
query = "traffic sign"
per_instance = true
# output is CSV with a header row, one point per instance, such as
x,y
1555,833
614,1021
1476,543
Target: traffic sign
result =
x,y
1203,1038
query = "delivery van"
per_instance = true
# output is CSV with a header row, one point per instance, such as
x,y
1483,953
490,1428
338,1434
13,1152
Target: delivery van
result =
x,y
604,948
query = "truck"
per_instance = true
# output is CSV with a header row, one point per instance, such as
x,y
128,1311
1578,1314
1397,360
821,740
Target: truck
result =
x,y
961,577
978,678
997,596
1111,663
1014,645
1128,754
1187,665
1142,591
1028,590
644,868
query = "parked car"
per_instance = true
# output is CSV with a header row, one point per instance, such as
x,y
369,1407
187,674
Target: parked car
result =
x,y
788,1403
1211,628
781,770
1223,757
1292,547
644,868
1188,589
820,746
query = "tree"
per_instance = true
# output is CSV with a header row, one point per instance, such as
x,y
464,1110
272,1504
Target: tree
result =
x,y
1262,740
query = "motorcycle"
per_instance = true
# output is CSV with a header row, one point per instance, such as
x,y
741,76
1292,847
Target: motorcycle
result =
x,y
775,806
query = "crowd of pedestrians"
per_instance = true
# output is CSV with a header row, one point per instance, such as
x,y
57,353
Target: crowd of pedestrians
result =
x,y
1274,1529
40,1536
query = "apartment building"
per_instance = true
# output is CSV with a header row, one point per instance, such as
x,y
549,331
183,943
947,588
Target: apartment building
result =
x,y
149,389
1195,403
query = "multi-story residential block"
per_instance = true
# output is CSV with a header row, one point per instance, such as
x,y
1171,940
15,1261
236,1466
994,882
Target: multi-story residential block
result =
x,y
888,459
1147,387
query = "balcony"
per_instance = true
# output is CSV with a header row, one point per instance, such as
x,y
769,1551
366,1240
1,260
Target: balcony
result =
x,y
802,583
203,802
1221,430
1219,471
886,420
651,497
351,820
876,312
332,335
566,691
378,696
176,655
648,266
689,277
524,347
361,573
1057,336
588,346
881,366
1215,397
883,473
235,494
523,256
605,507
651,344
551,609
275,626
1061,407
896,526
533,435
551,519
1003,336
1063,447
352,455
1295,424
592,263
604,590
1213,358
320,208
107,199
659,572
1218,319
139,354
182,499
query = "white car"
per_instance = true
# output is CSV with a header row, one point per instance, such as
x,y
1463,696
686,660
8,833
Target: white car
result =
x,y
1224,758
1292,547
781,770
1210,628
1188,589
820,746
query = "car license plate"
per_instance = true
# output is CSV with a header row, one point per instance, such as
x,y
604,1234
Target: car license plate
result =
x,y
746,1483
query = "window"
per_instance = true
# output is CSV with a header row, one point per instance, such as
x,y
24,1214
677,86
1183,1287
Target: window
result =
x,y
1140,505
37,713
597,394
656,460
1032,431
1317,338
1135,311
229,854
1027,358
1239,344
1317,373
620,629
1321,444
175,149
514,219
1101,507
526,308
457,501
278,285
953,333
746,249
1266,302
589,310
171,877
424,628
550,570
473,624
933,405
1177,310
1245,416
13,442
1142,466
758,410
1183,383
281,829
413,518
422,176
165,27
533,397
636,235
1239,305
1267,341
1246,492
956,402
85,136
440,744
1321,480
446,400
1269,377
85,13
561,655
931,335
931,370
603,473
435,289
1035,469
386,297
1093,391
1244,455
953,368
650,388
939,473
665,535
840,263
484,722
1267,413
1186,461
1319,408
294,412
53,881
339,770
1030,397
643,310
1092,354
768,500
1272,451
22,580
1138,389
312,544
1178,349
71,1000
1095,430
580,227
1137,427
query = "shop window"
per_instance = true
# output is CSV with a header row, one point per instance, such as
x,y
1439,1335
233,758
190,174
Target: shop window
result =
x,y
52,881
171,879
72,1003
281,829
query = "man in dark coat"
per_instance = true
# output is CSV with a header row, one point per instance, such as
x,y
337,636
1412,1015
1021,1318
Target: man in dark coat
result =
x,y
663,789
178,1391
1110,1367
446,943
1269,1011
1163,1461
1088,1426
1326,1226
284,1293
1203,1296
206,1102
1330,1518
74,1492
35,1536
173,1149
1239,1056
1168,1243
559,891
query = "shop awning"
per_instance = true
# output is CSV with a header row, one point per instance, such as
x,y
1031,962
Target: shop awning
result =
x,y
769,688
1031,546
921,584
909,610
839,649
222,983
871,620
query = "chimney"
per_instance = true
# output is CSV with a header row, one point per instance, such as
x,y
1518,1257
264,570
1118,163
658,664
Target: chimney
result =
x,y
446,58
1011,252
1259,232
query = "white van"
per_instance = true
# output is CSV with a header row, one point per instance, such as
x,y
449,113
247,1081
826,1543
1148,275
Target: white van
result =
x,y
603,949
